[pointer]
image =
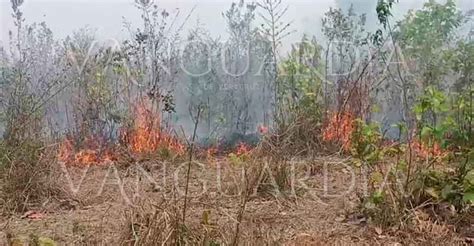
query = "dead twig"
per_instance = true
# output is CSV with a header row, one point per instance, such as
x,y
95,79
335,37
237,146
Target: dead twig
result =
x,y
190,160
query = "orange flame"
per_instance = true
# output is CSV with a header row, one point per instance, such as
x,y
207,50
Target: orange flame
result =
x,y
339,129
424,151
242,149
66,150
87,156
146,136
211,152
262,129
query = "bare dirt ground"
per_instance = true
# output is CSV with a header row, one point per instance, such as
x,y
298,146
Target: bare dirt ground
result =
x,y
311,213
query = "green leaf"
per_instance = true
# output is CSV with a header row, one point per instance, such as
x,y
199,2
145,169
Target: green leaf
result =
x,y
447,191
357,162
432,192
376,178
377,197
469,178
205,217
376,109
468,197
44,241
426,131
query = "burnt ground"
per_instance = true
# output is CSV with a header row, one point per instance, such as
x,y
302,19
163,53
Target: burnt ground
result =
x,y
308,213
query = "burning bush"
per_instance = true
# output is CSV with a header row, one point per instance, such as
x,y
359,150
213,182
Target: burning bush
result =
x,y
339,129
147,135
425,151
90,152
242,149
144,136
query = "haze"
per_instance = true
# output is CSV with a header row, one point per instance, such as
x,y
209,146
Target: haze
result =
x,y
106,16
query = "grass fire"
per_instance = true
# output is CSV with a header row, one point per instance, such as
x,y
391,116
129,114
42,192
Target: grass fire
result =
x,y
237,122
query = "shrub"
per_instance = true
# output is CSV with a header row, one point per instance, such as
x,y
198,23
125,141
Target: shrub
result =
x,y
433,168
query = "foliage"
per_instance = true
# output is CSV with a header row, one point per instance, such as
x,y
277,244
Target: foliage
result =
x,y
347,57
430,114
414,184
365,143
30,78
344,27
300,98
301,85
438,126
96,106
463,103
384,11
425,35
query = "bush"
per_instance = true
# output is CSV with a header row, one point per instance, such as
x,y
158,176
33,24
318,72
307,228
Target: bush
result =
x,y
433,168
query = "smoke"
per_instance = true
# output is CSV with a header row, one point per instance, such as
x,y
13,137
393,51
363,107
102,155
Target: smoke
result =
x,y
231,84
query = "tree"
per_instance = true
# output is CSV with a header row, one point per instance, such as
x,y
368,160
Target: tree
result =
x,y
274,29
348,53
425,36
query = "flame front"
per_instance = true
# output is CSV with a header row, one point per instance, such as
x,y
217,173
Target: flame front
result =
x,y
426,151
145,136
242,149
85,156
339,129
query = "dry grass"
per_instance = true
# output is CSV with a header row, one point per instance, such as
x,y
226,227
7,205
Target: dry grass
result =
x,y
152,224
154,218
30,177
299,137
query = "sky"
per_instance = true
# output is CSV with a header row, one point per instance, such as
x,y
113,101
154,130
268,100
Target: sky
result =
x,y
106,16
